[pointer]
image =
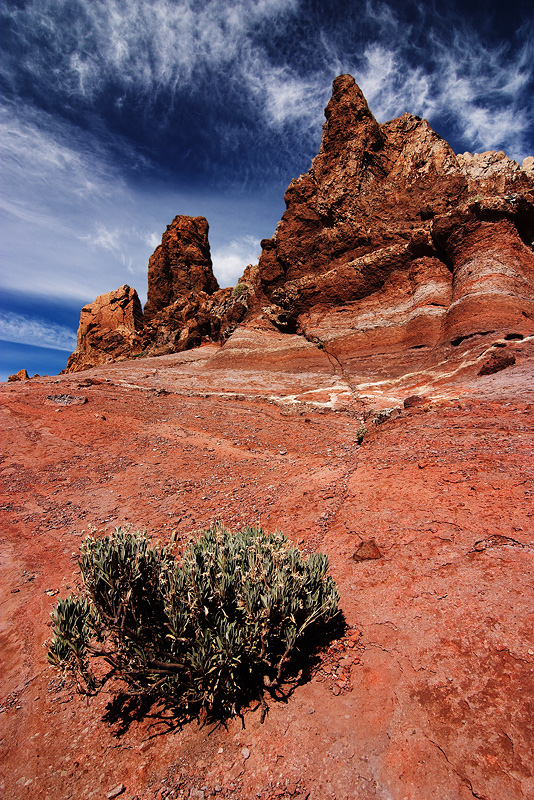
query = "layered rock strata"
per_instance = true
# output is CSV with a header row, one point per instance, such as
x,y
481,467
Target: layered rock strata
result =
x,y
385,205
392,252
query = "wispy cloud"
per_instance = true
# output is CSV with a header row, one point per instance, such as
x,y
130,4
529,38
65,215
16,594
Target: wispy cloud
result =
x,y
479,92
199,98
149,46
23,329
50,163
163,52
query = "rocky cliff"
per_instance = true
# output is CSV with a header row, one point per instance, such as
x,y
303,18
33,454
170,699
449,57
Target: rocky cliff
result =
x,y
390,244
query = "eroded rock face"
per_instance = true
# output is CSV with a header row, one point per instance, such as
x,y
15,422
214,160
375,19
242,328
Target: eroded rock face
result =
x,y
192,319
180,265
393,250
370,188
110,328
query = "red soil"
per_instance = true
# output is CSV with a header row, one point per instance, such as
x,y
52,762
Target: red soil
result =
x,y
429,693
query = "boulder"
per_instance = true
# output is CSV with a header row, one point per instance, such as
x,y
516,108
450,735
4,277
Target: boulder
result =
x,y
110,328
21,375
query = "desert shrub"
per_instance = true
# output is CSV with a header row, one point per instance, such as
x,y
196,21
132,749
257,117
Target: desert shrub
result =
x,y
210,630
240,290
360,434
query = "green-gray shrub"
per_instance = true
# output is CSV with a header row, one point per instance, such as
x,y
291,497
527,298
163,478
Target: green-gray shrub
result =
x,y
360,434
209,631
240,290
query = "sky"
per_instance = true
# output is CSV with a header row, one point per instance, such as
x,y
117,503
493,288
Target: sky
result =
x,y
119,114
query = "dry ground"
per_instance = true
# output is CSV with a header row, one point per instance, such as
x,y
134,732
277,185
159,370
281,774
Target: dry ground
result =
x,y
428,696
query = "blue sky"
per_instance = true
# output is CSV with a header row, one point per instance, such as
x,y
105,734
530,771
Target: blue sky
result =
x,y
119,114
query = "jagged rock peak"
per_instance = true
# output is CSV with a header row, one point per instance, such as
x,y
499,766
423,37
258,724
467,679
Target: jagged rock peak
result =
x,y
180,265
347,114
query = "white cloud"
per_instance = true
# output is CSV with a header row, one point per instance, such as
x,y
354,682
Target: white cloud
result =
x,y
51,163
430,66
147,45
230,260
102,237
153,239
72,226
23,329
480,91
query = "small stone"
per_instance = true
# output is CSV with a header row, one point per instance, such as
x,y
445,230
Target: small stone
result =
x,y
336,690
116,791
480,546
67,399
245,752
366,551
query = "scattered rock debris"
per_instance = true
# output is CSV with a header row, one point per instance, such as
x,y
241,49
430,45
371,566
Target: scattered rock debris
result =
x,y
67,399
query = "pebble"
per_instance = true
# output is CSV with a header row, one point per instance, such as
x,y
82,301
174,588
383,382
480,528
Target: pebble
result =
x,y
245,752
116,791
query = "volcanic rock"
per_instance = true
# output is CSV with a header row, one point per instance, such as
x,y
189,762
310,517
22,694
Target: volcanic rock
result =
x,y
185,306
181,265
391,253
393,250
367,551
21,375
191,319
109,329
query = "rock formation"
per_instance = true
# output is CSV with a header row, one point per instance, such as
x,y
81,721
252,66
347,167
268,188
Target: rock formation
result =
x,y
21,375
390,244
184,304
109,329
180,266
